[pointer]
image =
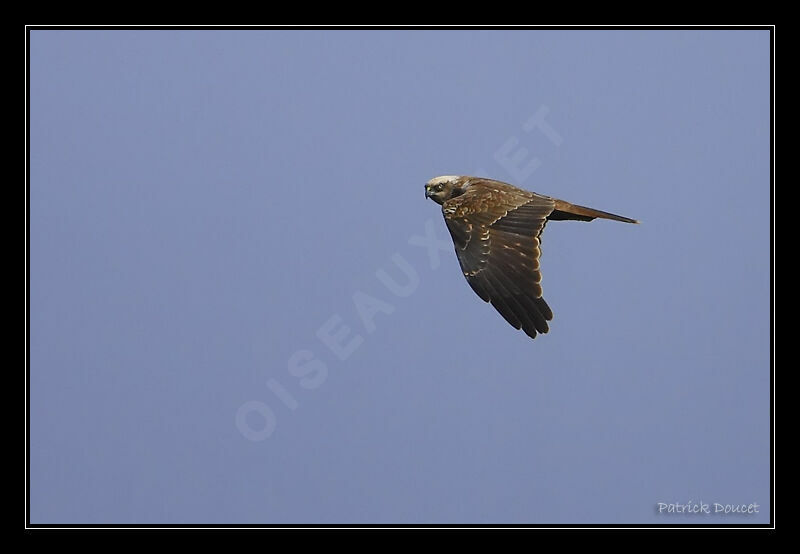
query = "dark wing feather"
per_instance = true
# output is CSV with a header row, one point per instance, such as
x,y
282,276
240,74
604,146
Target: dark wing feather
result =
x,y
495,229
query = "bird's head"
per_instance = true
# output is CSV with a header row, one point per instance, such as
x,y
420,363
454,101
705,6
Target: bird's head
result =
x,y
441,189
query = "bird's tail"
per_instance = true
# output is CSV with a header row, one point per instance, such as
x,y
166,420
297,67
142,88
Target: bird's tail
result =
x,y
565,210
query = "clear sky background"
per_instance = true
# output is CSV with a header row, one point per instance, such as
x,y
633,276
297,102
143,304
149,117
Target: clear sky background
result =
x,y
212,213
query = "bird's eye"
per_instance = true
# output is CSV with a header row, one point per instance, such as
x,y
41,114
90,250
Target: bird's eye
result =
x,y
439,187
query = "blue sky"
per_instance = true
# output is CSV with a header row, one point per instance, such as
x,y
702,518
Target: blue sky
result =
x,y
240,311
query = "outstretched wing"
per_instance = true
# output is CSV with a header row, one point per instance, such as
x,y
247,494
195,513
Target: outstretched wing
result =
x,y
495,229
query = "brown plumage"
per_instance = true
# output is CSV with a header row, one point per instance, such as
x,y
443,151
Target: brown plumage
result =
x,y
496,230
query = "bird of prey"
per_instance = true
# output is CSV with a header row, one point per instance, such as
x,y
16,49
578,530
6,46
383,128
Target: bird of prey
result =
x,y
496,229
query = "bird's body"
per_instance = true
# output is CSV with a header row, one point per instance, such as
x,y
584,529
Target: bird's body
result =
x,y
496,230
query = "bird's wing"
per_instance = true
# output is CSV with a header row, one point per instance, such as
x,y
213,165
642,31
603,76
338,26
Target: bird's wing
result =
x,y
496,231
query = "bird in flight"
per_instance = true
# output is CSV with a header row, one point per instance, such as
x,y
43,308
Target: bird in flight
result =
x,y
496,229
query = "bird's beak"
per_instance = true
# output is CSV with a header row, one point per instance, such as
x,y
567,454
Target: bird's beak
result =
x,y
427,192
